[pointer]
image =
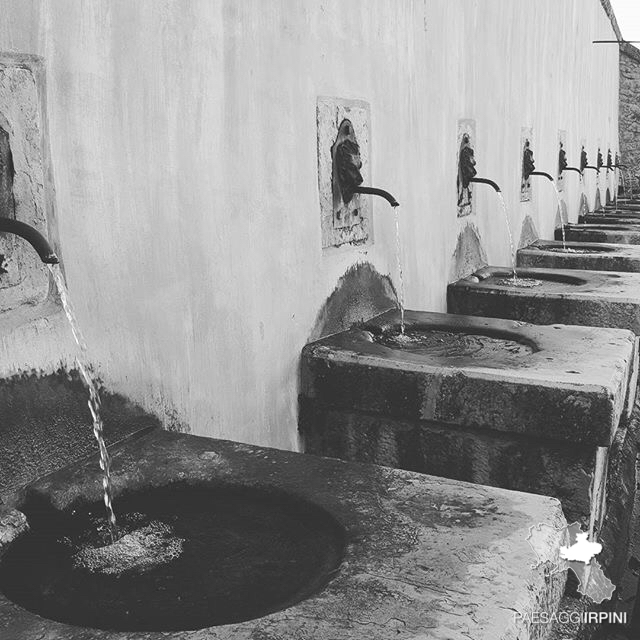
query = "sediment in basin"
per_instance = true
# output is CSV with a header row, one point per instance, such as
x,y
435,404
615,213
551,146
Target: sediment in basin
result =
x,y
192,557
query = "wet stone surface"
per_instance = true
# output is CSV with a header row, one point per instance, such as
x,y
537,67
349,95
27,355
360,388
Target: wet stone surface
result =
x,y
412,543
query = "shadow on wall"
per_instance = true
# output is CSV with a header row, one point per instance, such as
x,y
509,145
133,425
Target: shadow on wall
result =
x,y
598,204
361,294
46,426
469,255
529,233
562,216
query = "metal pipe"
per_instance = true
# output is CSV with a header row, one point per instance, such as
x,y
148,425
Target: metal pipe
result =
x,y
378,192
573,169
491,183
542,173
594,168
32,236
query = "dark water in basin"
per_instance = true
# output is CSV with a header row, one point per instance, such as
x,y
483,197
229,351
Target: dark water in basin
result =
x,y
191,557
451,344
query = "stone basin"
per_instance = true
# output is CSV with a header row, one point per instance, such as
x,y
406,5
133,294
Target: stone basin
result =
x,y
471,366
593,256
588,298
609,219
601,233
625,204
349,551
592,299
538,409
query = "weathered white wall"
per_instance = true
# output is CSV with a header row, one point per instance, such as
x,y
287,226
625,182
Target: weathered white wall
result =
x,y
183,138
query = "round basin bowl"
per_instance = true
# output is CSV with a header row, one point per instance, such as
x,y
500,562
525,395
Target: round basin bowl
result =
x,y
531,278
187,557
445,343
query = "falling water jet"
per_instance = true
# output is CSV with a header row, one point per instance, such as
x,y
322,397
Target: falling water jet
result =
x,y
347,164
503,204
581,178
95,406
48,257
559,201
400,273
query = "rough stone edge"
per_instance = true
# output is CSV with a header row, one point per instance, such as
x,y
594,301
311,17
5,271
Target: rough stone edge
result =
x,y
608,9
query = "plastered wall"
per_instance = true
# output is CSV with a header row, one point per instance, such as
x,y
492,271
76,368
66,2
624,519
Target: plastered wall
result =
x,y
184,146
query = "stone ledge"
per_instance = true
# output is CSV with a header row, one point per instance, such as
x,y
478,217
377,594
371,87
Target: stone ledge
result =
x,y
426,557
544,394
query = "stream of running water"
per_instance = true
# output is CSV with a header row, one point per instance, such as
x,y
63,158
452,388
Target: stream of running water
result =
x,y
95,406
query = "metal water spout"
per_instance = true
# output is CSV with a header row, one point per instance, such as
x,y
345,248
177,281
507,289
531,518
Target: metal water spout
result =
x,y
378,192
32,236
544,174
467,167
584,162
562,159
529,166
347,165
491,183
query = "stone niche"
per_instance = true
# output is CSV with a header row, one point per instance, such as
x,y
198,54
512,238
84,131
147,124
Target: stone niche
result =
x,y
25,189
343,223
526,157
466,145
562,158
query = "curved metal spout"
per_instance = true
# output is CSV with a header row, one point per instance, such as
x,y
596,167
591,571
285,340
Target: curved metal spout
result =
x,y
542,173
591,167
491,183
378,192
573,169
32,236
620,166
